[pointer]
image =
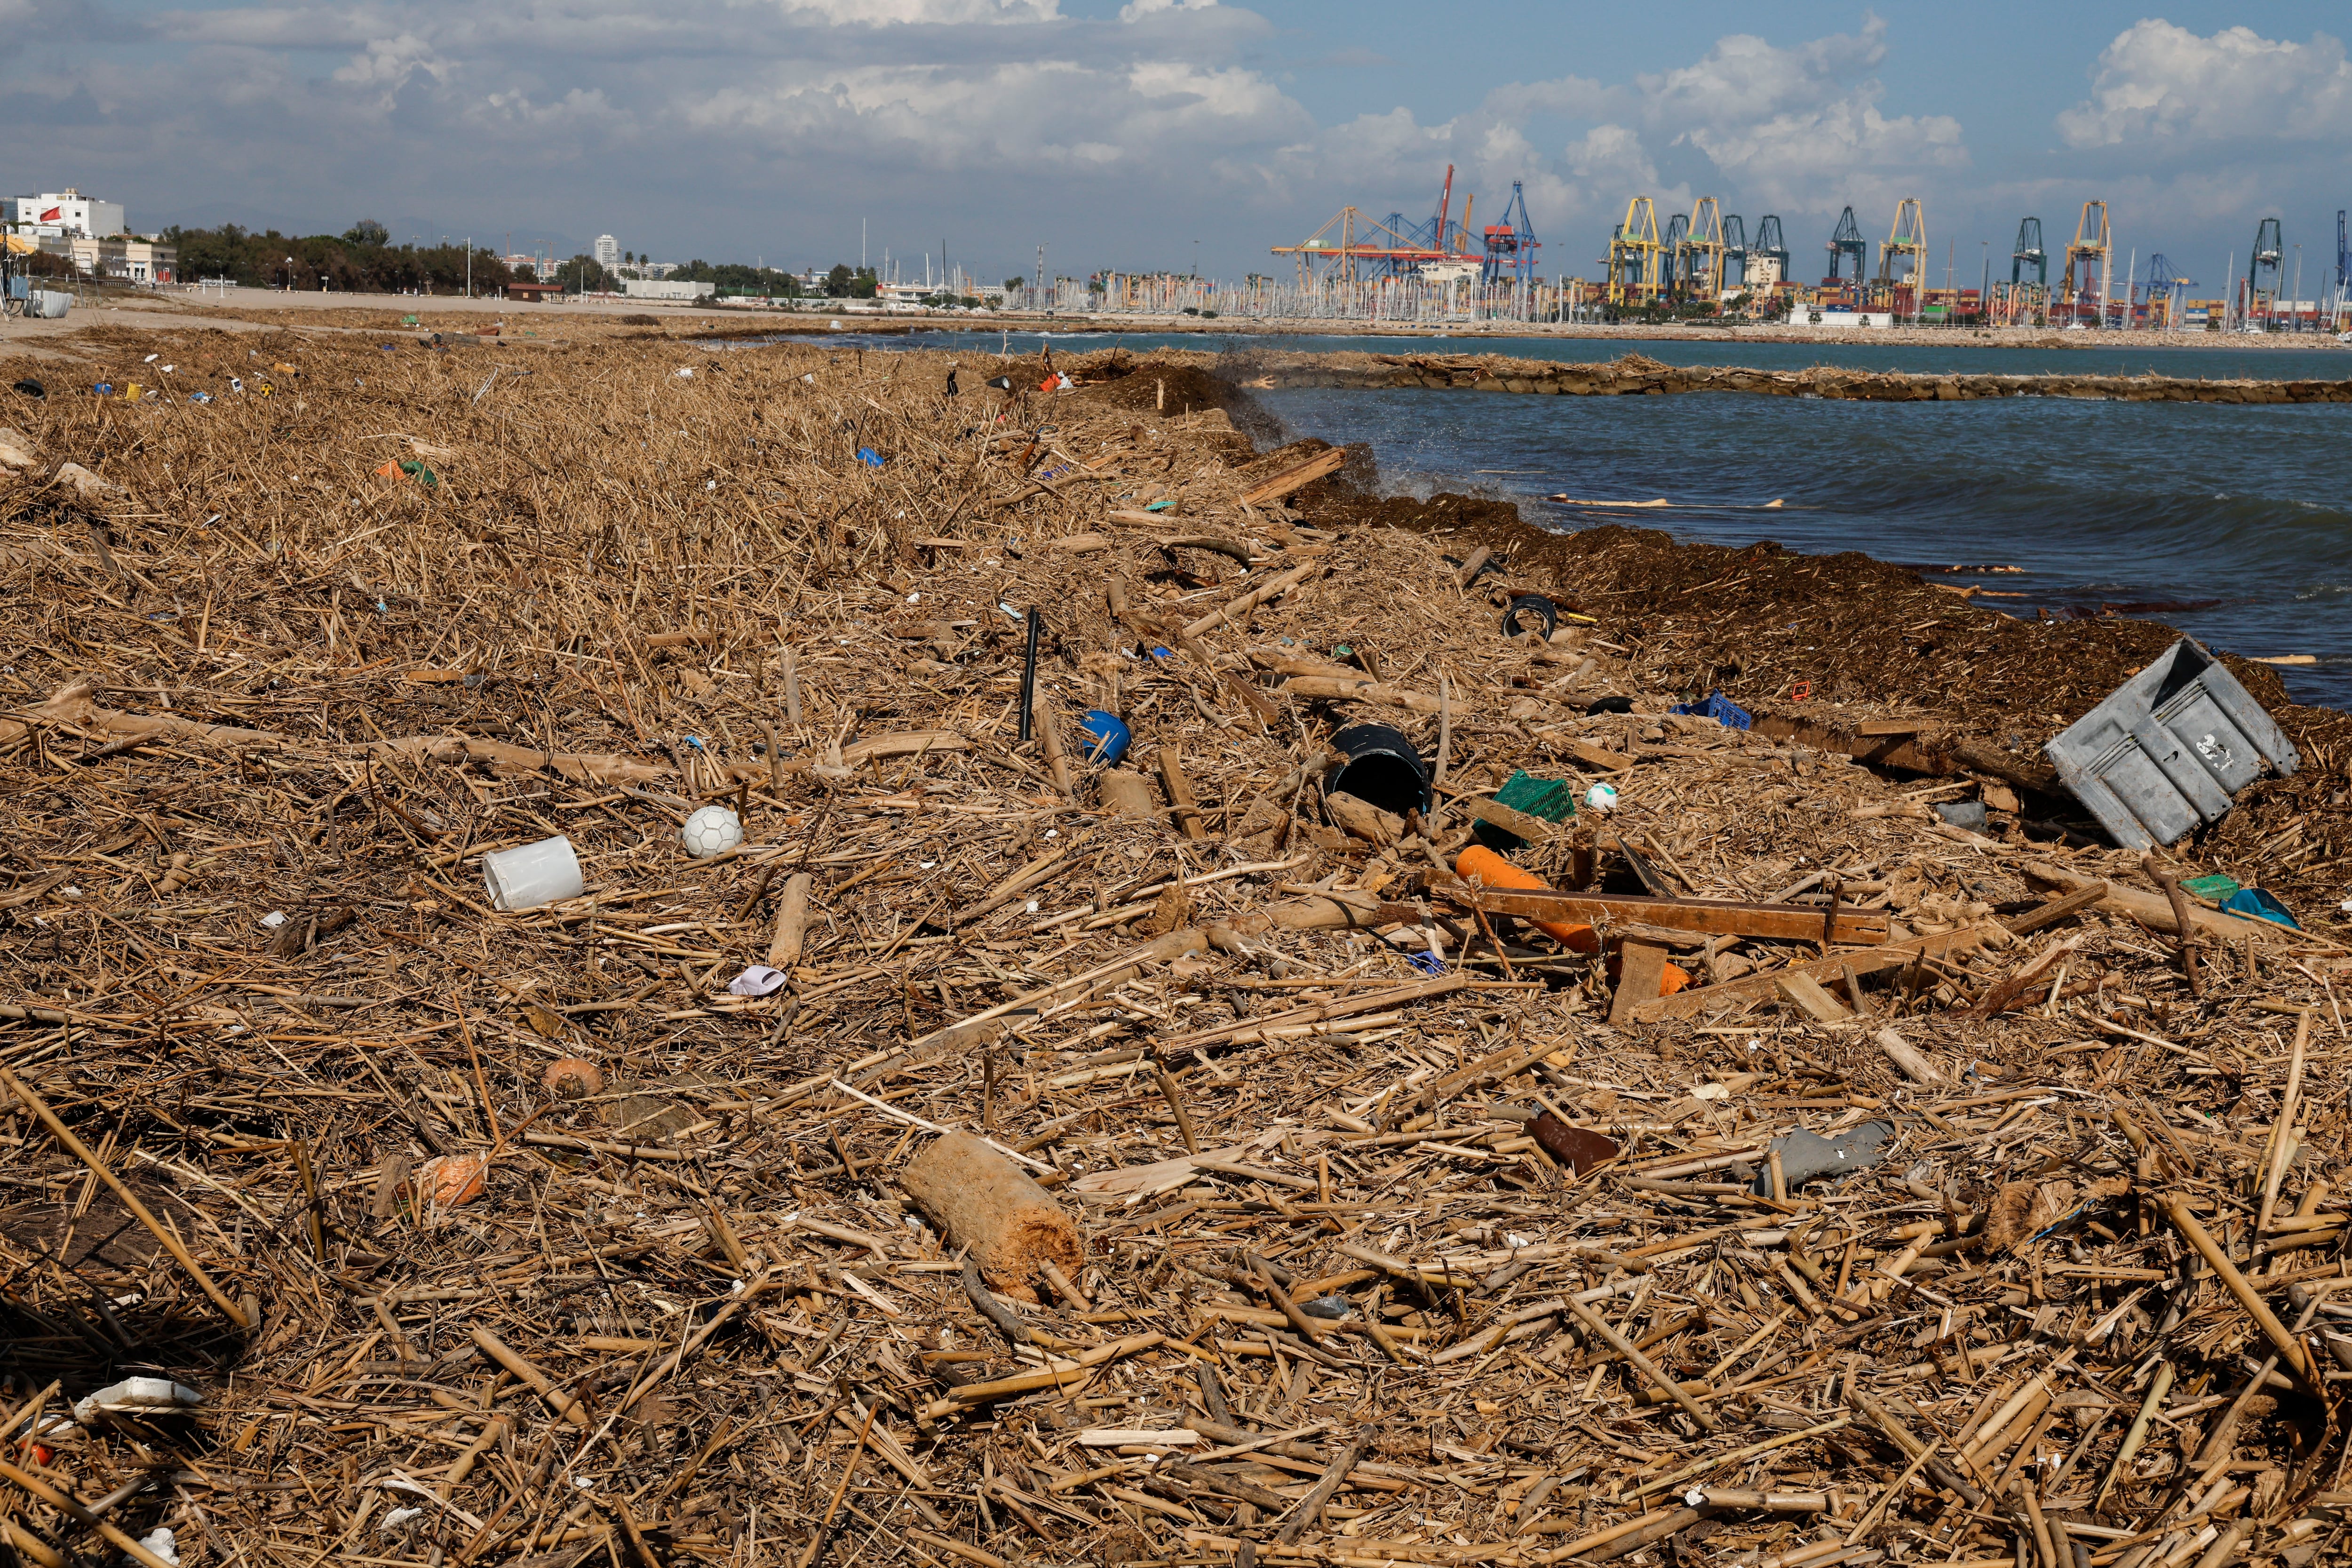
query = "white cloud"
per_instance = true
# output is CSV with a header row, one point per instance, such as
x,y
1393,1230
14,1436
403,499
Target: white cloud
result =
x,y
1800,127
919,13
1136,10
2159,81
389,63
768,124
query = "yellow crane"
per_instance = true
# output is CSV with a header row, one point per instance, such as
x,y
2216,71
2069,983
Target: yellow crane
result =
x,y
1905,241
2090,246
1699,267
1636,256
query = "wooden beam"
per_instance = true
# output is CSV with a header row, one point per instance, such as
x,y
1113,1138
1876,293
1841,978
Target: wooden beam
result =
x,y
1911,747
1306,474
1333,688
1713,917
1534,829
1756,987
1809,997
1642,970
2057,909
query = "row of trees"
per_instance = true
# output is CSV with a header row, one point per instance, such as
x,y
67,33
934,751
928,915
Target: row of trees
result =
x,y
363,258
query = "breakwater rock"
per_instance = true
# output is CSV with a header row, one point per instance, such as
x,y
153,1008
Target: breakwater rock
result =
x,y
1638,375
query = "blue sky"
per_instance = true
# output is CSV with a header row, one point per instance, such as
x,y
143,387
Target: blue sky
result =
x,y
1141,133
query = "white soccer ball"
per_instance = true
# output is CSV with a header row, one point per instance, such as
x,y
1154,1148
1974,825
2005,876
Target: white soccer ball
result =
x,y
713,830
1600,797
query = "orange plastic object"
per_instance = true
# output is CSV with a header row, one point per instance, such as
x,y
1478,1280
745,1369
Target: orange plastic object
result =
x,y
1477,861
453,1179
572,1076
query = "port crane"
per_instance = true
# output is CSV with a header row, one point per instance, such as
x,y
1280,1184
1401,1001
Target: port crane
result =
x,y
1511,245
1634,255
1352,245
2090,247
2264,270
1768,258
1846,240
2166,287
1907,242
1735,250
1699,261
2028,253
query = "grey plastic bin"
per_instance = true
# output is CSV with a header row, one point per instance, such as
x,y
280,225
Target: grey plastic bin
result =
x,y
2171,748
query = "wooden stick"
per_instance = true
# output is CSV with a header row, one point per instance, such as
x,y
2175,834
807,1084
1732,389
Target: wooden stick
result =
x,y
1620,1539
791,922
841,1489
2181,924
2282,1130
531,1376
1310,1506
1648,1368
73,1507
1174,1095
1186,809
2289,1348
1057,760
1308,1329
156,1228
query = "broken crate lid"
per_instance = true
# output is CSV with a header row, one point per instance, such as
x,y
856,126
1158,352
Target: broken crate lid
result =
x,y
2168,749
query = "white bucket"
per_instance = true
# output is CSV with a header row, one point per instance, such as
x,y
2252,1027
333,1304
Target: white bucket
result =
x,y
529,875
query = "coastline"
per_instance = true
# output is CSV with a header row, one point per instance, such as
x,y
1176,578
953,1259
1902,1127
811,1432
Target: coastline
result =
x,y
368,312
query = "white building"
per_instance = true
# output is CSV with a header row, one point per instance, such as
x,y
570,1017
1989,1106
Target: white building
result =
x,y
63,213
608,252
643,288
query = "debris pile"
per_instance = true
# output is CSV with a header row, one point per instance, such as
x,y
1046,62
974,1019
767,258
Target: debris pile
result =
x,y
1076,1096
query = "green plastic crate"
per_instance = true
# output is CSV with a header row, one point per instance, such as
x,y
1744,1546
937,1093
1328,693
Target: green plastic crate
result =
x,y
1549,800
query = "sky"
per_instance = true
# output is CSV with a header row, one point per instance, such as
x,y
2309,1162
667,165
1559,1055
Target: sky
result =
x,y
1143,134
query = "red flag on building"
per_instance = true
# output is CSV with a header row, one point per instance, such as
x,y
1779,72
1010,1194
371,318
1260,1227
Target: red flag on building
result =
x,y
53,214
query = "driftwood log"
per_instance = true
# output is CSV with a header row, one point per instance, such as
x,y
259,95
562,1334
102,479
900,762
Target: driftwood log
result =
x,y
989,1209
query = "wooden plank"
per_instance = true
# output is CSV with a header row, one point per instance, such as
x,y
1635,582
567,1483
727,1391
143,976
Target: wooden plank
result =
x,y
1714,917
1809,997
2155,911
1641,971
1534,829
1598,757
1306,474
1917,749
1754,987
1905,1054
2056,910
1332,687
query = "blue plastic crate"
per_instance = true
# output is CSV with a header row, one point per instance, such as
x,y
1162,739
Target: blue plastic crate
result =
x,y
1719,708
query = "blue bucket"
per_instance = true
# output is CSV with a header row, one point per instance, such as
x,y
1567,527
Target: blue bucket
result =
x,y
1108,737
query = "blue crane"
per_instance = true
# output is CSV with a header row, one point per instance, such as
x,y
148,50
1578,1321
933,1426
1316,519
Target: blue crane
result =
x,y
1511,245
1847,241
2028,253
